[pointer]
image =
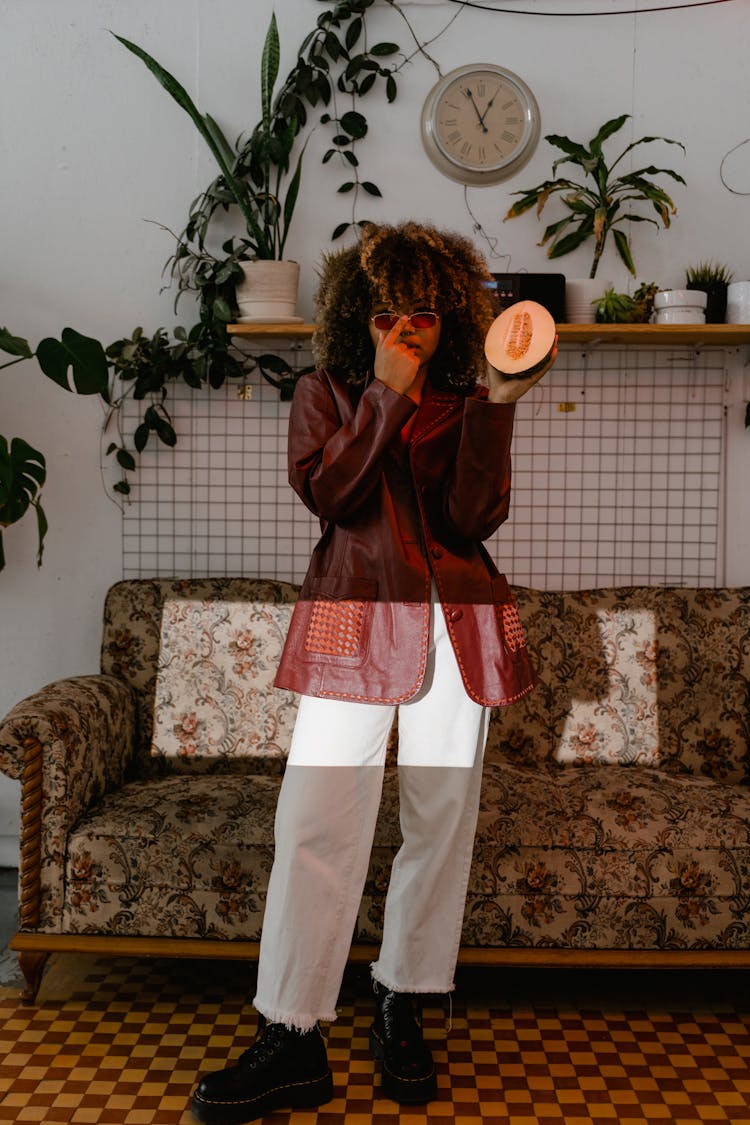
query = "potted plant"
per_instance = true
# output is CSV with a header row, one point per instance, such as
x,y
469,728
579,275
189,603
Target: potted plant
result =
x,y
600,202
257,174
258,178
713,279
621,308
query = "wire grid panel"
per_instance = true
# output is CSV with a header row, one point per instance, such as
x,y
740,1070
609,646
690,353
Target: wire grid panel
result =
x,y
618,472
219,503
618,463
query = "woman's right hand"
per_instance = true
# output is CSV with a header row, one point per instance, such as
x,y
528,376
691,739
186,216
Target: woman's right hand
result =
x,y
396,364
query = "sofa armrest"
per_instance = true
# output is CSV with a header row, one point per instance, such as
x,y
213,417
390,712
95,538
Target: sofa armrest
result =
x,y
68,744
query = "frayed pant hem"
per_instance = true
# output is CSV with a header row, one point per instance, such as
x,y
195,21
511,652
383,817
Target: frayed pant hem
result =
x,y
414,990
293,1021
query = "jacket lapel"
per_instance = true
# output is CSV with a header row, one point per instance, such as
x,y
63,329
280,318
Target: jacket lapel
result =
x,y
436,406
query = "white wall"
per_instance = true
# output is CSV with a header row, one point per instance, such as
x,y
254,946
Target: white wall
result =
x,y
90,147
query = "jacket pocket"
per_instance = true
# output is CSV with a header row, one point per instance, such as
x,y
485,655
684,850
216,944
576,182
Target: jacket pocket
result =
x,y
508,620
340,614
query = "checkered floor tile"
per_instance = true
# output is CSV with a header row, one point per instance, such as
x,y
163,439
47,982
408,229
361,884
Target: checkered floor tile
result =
x,y
117,1042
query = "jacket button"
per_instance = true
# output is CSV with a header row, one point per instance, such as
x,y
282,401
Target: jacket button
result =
x,y
455,614
437,552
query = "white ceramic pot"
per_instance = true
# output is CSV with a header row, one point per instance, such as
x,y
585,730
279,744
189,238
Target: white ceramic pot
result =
x,y
581,297
738,302
680,316
680,306
268,293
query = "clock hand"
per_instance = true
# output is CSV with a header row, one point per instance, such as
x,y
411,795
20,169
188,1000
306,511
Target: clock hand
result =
x,y
486,108
480,118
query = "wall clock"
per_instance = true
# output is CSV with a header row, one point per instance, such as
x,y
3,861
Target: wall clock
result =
x,y
480,123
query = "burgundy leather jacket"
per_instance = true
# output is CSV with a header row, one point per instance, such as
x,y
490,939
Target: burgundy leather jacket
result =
x,y
396,512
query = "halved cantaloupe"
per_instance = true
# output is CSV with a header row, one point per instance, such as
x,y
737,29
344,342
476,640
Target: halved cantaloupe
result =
x,y
520,340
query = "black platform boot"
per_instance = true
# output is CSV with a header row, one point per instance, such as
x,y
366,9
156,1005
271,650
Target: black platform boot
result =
x,y
396,1038
282,1070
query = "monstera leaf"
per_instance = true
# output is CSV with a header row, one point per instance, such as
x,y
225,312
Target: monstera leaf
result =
x,y
79,364
81,353
22,473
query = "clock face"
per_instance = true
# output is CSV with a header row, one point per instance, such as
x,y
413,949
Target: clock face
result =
x,y
480,124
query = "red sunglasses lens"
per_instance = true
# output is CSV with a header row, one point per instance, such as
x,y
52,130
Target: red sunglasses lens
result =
x,y
423,319
384,322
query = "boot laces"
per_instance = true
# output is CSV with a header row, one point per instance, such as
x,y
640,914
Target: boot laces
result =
x,y
269,1038
400,1021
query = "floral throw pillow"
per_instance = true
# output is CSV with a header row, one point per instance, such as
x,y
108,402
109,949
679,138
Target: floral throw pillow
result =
x,y
614,720
214,686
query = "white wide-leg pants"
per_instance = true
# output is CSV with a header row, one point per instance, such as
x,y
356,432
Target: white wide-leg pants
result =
x,y
325,822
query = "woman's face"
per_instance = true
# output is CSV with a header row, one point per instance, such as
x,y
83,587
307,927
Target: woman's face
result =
x,y
421,339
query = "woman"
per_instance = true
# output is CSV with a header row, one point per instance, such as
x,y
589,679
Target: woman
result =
x,y
405,457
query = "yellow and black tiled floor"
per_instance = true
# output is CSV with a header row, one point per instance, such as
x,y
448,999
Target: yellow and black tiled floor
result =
x,y
118,1042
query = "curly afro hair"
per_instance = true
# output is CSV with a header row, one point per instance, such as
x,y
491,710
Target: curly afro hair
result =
x,y
409,266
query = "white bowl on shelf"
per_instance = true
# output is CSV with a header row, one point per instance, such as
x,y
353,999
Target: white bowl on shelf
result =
x,y
680,306
671,298
680,316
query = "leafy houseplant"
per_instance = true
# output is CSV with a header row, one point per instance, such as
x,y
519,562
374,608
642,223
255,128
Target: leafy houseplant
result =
x,y
255,181
257,175
621,308
258,178
143,366
601,202
23,469
713,279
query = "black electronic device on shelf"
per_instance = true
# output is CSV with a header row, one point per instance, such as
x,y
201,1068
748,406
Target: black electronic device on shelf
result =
x,y
546,289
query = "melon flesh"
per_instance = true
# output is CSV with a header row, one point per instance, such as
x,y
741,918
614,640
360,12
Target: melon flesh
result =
x,y
520,340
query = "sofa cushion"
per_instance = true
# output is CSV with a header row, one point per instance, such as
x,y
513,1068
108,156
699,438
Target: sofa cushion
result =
x,y
177,856
648,676
586,857
636,675
214,687
599,858
184,856
130,650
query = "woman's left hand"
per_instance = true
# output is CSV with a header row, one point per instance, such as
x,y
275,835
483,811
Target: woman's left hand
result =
x,y
506,388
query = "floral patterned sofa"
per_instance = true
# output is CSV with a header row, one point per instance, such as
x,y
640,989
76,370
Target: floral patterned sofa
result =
x,y
615,818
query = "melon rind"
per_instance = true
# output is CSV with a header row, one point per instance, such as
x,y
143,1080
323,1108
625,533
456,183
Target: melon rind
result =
x,y
508,329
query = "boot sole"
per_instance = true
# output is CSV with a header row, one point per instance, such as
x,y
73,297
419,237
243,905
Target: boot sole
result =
x,y
405,1091
298,1095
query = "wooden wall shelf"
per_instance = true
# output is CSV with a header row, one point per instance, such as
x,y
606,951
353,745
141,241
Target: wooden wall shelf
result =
x,y
657,335
268,331
644,335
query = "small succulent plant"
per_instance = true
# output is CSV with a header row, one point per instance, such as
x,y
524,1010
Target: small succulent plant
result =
x,y
712,278
707,273
621,308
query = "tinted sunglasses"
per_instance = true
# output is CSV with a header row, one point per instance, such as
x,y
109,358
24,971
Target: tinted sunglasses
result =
x,y
384,321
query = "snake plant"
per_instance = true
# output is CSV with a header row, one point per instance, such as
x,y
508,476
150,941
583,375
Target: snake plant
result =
x,y
255,178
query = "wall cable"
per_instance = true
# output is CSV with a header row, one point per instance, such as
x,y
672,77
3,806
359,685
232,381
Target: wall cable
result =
x,y
684,4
